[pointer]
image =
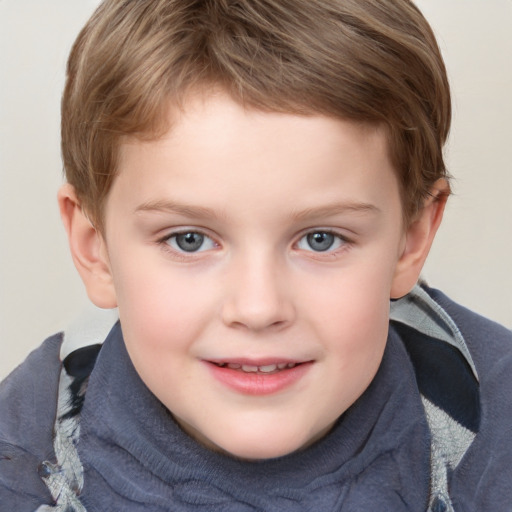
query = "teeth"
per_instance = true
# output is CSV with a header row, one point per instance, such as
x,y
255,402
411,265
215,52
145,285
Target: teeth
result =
x,y
269,368
249,368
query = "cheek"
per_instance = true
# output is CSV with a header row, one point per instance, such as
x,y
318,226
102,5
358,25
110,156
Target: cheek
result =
x,y
353,299
161,322
357,339
160,309
352,319
357,335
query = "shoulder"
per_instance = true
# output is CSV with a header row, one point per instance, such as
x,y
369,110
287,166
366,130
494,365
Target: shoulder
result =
x,y
490,343
28,399
483,480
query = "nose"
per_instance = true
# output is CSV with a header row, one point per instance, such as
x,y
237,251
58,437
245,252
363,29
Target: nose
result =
x,y
258,296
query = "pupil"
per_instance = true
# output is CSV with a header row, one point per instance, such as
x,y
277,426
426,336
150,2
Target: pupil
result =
x,y
189,242
320,241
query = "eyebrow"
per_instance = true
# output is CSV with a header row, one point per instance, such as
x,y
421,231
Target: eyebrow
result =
x,y
200,212
176,208
337,209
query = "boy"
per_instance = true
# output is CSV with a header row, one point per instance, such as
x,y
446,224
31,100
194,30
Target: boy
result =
x,y
250,183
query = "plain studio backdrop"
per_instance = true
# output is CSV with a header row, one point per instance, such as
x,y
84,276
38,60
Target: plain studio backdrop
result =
x,y
40,291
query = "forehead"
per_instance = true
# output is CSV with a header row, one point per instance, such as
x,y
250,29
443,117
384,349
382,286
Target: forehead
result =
x,y
215,149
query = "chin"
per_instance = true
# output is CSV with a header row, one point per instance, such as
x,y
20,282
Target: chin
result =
x,y
258,453
263,447
254,439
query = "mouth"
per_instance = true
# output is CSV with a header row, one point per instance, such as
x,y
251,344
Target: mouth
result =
x,y
258,378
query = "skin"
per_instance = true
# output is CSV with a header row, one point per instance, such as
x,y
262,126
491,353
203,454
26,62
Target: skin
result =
x,y
257,289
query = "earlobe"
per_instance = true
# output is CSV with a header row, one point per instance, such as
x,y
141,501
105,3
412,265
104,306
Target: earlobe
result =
x,y
418,240
88,250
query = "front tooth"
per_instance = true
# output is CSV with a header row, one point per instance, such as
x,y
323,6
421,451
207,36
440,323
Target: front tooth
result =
x,y
249,368
269,368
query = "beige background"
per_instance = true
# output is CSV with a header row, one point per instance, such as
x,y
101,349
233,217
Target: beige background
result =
x,y
39,289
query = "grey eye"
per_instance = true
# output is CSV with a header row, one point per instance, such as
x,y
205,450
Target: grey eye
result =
x,y
320,241
190,241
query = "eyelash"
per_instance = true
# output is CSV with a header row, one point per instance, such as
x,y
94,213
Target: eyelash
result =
x,y
177,252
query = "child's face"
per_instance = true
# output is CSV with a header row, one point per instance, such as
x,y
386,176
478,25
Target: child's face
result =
x,y
243,243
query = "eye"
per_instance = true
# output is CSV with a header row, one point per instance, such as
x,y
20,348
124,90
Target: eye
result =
x,y
320,241
190,241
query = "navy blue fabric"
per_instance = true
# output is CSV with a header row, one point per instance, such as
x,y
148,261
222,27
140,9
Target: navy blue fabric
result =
x,y
483,480
444,376
28,399
79,365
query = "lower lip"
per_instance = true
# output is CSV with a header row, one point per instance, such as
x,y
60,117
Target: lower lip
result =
x,y
259,384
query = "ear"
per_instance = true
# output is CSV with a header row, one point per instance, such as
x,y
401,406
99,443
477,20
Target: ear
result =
x,y
418,240
88,250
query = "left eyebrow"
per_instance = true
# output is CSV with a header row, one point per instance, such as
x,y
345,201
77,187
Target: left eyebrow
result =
x,y
337,209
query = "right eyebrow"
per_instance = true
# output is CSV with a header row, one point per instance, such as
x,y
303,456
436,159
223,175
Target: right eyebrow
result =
x,y
167,206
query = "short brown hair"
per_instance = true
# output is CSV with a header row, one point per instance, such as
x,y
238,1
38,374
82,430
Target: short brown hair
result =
x,y
373,61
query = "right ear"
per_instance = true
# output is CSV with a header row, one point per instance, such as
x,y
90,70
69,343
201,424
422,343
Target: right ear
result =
x,y
88,250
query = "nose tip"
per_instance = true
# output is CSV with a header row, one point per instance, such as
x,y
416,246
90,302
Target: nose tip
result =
x,y
258,301
255,319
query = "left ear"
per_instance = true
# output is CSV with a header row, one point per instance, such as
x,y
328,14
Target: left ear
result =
x,y
418,239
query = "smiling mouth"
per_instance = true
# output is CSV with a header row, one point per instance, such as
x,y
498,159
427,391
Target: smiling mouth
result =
x,y
259,378
263,369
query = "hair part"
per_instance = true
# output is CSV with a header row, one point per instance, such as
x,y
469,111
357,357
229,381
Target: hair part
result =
x,y
371,61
